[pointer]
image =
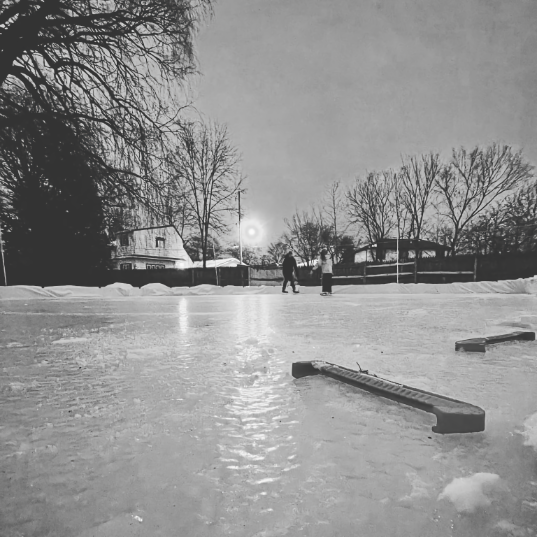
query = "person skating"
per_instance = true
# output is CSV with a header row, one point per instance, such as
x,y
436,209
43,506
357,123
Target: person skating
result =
x,y
325,264
290,270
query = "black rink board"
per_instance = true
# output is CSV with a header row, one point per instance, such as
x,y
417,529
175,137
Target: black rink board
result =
x,y
452,415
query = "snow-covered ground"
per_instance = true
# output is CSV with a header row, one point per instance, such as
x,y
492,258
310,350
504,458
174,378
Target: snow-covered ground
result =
x,y
178,416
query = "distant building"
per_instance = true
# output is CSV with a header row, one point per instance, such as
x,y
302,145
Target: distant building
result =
x,y
386,250
228,262
150,248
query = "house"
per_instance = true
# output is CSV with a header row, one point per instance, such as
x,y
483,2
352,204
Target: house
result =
x,y
150,248
386,250
210,263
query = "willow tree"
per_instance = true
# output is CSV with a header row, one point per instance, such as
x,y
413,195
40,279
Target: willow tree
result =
x,y
119,64
209,165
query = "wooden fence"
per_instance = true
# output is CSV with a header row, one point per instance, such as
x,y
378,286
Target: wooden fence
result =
x,y
416,271
426,270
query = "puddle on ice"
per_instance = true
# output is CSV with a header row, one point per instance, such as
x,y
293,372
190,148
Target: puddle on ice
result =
x,y
182,418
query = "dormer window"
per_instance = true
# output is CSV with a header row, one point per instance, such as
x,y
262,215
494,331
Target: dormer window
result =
x,y
161,242
124,239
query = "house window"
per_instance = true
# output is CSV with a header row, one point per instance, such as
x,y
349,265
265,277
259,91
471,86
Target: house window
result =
x,y
124,239
154,267
125,266
160,242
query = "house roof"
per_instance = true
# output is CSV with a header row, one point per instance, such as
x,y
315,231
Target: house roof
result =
x,y
210,263
149,227
404,244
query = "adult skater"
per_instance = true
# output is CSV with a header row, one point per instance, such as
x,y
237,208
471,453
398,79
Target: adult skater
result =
x,y
325,264
290,269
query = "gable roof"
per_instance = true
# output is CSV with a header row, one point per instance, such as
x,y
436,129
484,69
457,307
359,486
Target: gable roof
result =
x,y
149,227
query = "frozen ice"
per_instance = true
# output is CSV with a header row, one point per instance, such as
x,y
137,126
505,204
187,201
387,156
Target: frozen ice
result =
x,y
181,409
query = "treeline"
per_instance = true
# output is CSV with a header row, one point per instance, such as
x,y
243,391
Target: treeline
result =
x,y
95,132
482,200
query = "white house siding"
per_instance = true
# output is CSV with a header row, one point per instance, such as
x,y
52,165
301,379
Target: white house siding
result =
x,y
390,255
143,251
360,257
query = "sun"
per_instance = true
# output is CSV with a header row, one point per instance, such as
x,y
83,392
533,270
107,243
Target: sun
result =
x,y
252,232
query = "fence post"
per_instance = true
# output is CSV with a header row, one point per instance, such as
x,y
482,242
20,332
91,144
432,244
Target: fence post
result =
x,y
475,268
249,270
193,271
365,271
416,269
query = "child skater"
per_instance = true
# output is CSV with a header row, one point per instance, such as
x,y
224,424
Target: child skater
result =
x,y
325,264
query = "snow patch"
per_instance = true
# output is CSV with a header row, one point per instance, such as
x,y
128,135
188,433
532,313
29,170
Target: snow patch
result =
x,y
468,494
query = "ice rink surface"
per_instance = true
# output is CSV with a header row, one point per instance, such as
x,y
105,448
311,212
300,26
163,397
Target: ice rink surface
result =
x,y
178,416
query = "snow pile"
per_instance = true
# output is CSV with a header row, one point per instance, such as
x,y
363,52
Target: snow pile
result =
x,y
156,289
62,291
120,289
530,431
468,494
520,286
23,292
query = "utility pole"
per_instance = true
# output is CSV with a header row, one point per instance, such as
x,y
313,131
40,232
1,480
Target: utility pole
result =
x,y
397,214
240,233
214,257
2,252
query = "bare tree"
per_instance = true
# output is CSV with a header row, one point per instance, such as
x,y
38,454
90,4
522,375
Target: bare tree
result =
x,y
509,227
120,65
206,161
416,183
371,205
277,250
307,234
473,180
333,210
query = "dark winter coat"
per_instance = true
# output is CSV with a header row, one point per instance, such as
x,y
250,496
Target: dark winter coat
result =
x,y
288,265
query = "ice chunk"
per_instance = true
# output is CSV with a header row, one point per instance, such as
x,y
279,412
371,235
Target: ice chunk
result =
x,y
470,493
70,340
530,431
419,488
508,528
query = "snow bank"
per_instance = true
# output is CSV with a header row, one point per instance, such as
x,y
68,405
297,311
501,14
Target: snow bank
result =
x,y
23,292
520,286
468,494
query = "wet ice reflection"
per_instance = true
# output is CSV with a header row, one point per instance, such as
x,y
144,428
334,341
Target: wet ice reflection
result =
x,y
182,316
180,414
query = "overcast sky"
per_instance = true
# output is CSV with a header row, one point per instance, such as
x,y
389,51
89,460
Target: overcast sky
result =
x,y
318,90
